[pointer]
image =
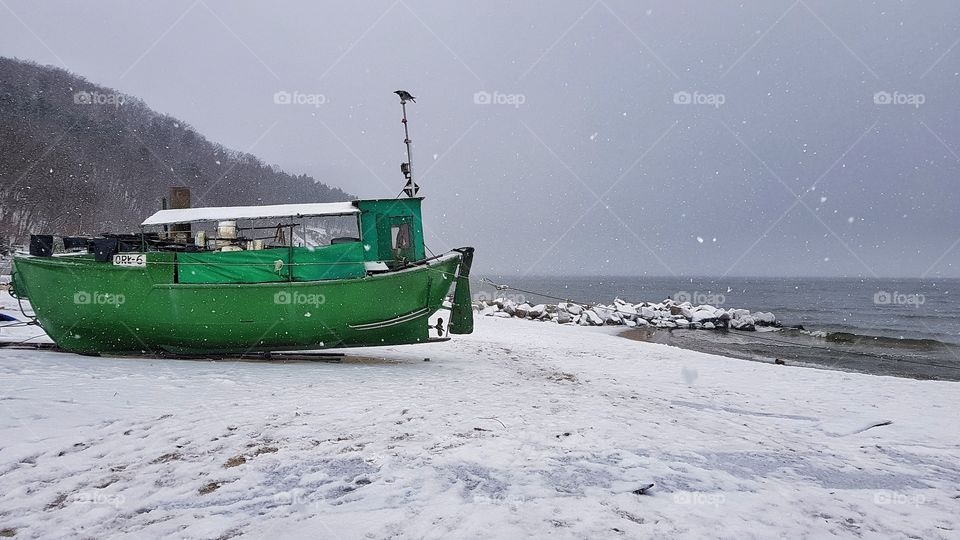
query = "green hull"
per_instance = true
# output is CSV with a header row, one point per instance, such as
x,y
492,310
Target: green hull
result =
x,y
90,307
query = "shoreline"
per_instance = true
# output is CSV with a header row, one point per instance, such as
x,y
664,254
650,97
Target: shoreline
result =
x,y
778,347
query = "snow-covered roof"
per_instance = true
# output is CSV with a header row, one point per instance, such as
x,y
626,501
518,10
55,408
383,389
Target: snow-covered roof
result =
x,y
224,213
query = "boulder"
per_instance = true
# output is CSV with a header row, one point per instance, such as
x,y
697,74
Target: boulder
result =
x,y
572,309
522,310
592,318
704,315
708,326
604,312
563,317
647,313
745,323
765,318
537,311
509,306
625,309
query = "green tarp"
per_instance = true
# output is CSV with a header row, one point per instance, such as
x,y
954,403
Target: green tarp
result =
x,y
336,261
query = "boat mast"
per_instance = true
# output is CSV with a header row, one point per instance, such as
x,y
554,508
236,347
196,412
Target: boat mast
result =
x,y
410,188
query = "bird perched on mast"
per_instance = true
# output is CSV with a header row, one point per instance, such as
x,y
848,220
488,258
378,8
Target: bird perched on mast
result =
x,y
405,96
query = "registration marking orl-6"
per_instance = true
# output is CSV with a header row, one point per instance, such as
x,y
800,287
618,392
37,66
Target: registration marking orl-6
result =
x,y
134,260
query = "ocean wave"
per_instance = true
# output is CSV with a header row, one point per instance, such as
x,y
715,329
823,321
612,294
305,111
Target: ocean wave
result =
x,y
849,338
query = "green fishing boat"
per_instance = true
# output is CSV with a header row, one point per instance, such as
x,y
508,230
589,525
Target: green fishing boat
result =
x,y
232,292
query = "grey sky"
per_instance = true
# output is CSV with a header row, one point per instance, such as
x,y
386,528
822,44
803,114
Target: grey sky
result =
x,y
599,170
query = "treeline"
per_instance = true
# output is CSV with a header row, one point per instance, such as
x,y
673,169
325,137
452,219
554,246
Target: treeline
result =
x,y
79,158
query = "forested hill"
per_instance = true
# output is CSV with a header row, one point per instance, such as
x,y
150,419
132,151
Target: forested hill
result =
x,y
80,158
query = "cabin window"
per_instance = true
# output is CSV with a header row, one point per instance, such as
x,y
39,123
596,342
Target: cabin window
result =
x,y
401,236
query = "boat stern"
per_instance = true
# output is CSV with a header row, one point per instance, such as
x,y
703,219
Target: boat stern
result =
x,y
461,316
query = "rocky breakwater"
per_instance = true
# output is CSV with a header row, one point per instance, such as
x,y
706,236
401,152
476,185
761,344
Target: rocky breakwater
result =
x,y
665,314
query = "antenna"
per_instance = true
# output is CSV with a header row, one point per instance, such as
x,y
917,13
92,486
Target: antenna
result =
x,y
411,188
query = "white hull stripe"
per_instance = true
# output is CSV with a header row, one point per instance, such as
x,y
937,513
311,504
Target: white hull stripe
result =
x,y
390,322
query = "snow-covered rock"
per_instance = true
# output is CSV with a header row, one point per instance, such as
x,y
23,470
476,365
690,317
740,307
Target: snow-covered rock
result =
x,y
488,311
744,322
765,318
592,318
704,314
625,309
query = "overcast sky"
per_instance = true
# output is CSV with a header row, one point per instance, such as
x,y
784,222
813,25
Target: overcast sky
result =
x,y
804,137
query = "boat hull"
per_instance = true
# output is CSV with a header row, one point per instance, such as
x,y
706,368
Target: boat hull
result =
x,y
90,308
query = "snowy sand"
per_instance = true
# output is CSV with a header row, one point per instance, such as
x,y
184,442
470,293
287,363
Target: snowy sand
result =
x,y
522,429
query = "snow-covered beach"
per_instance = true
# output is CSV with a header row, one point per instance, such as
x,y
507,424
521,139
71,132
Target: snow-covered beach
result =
x,y
522,429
